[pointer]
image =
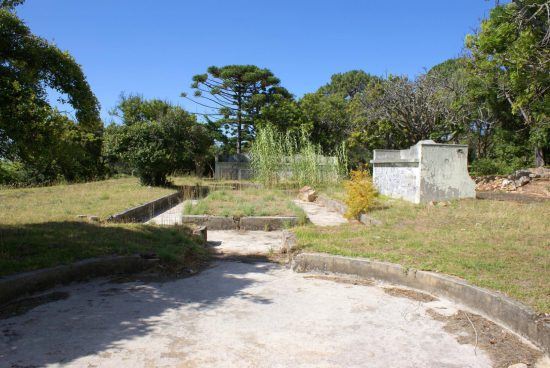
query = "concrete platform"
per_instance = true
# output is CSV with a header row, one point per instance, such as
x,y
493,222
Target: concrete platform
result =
x,y
232,315
245,243
320,215
170,217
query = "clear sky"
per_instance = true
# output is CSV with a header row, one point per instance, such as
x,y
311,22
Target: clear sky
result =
x,y
155,47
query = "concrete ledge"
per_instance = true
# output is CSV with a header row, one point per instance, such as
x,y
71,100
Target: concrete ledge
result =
x,y
289,243
211,222
260,223
497,307
14,286
268,223
149,210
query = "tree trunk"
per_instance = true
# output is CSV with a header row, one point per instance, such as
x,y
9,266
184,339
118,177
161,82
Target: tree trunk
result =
x,y
239,136
539,157
239,125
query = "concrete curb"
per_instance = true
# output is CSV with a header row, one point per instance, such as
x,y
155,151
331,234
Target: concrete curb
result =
x,y
497,307
259,223
15,286
268,223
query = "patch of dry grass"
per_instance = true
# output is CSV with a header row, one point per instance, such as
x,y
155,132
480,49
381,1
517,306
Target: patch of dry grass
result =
x,y
39,228
503,246
334,191
65,202
246,202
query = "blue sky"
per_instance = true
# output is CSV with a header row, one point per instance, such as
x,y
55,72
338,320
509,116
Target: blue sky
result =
x,y
155,47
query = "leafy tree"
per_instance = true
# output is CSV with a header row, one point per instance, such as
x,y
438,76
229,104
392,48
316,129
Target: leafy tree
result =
x,y
10,4
285,115
156,139
408,106
329,114
512,49
349,84
30,129
135,109
482,117
326,119
236,94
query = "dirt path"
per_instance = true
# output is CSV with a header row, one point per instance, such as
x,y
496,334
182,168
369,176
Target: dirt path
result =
x,y
233,315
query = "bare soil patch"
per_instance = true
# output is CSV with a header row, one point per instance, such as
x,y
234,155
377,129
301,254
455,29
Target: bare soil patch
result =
x,y
341,279
502,346
410,294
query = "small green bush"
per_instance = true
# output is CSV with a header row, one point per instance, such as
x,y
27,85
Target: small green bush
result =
x,y
360,193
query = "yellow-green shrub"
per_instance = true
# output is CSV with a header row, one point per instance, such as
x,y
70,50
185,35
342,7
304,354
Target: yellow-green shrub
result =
x,y
360,193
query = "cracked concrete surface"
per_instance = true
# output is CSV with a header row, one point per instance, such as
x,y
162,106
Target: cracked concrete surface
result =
x,y
232,315
173,216
245,243
320,215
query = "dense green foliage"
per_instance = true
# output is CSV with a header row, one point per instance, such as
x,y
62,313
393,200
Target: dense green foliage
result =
x,y
494,98
511,52
37,143
154,140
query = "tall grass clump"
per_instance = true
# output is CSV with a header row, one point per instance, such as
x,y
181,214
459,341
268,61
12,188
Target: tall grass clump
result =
x,y
267,154
282,158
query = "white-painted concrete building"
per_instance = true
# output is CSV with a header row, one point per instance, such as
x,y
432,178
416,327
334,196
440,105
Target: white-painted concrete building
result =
x,y
425,172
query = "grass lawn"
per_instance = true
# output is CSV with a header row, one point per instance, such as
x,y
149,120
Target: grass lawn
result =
x,y
246,202
503,246
65,202
39,228
334,191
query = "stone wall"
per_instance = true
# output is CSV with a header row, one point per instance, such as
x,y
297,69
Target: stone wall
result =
x,y
425,172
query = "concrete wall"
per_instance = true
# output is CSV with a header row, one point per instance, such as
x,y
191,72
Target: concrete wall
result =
x,y
424,172
397,181
444,173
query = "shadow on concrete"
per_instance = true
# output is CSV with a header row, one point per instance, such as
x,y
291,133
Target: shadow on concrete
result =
x,y
98,315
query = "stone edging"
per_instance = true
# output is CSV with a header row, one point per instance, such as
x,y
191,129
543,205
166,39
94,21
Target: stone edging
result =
x,y
15,286
255,223
497,307
341,208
